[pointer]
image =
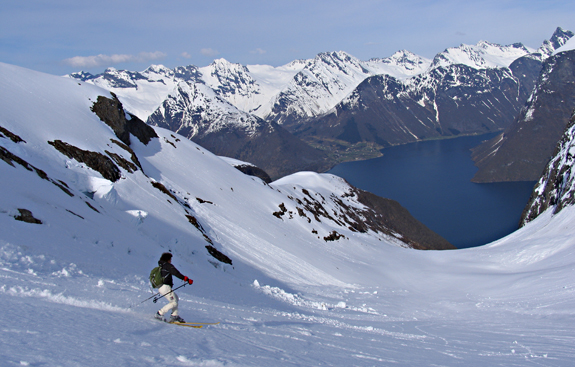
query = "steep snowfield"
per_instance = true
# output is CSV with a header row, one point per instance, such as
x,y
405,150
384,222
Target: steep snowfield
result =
x,y
73,288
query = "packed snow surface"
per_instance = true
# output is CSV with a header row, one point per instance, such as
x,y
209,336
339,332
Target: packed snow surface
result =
x,y
74,288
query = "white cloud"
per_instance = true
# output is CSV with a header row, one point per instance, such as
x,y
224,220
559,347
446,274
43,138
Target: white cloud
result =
x,y
209,52
186,55
107,60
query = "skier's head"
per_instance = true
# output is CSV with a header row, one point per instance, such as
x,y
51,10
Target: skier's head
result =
x,y
166,257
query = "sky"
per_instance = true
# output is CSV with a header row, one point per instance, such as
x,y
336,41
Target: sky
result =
x,y
64,36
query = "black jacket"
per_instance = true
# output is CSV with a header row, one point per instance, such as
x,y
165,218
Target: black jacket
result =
x,y
167,271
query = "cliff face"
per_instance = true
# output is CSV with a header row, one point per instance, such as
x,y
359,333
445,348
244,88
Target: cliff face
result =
x,y
521,152
556,187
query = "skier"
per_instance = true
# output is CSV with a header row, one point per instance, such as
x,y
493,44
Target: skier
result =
x,y
165,290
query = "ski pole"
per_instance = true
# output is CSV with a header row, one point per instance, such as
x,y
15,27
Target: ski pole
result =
x,y
163,295
153,295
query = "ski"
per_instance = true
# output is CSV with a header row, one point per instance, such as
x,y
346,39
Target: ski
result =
x,y
200,323
186,325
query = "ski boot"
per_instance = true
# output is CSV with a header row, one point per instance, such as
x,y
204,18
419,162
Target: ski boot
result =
x,y
176,319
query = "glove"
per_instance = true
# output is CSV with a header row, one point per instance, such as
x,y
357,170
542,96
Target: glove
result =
x,y
186,279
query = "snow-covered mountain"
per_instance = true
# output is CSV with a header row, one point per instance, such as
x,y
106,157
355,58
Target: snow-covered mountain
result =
x,y
481,56
140,92
521,152
92,169
466,90
559,38
298,272
444,101
330,77
555,190
316,84
195,111
251,87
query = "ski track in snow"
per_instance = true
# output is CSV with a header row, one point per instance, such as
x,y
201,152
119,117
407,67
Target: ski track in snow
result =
x,y
69,318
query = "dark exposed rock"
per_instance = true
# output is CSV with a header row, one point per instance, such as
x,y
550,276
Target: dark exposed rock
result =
x,y
91,207
140,129
112,113
71,212
523,150
280,212
202,201
128,166
15,138
211,249
26,216
96,161
218,255
556,187
254,171
134,158
195,223
162,188
333,236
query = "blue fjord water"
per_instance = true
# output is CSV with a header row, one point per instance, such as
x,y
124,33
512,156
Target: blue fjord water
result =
x,y
431,179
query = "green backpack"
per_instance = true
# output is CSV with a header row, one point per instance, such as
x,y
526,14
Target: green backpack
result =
x,y
156,277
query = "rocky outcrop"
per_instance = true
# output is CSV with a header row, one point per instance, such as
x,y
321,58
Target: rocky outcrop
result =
x,y
27,216
112,113
360,211
251,170
556,187
94,160
523,150
15,138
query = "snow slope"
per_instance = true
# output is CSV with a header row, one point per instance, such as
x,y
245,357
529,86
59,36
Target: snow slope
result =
x,y
73,288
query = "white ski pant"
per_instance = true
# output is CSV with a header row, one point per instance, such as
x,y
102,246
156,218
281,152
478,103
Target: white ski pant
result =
x,y
172,300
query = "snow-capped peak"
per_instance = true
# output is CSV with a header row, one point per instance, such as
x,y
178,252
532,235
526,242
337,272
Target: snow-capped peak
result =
x,y
559,38
158,69
481,56
401,65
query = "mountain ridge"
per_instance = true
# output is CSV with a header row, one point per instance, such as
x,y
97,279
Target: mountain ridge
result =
x,y
469,89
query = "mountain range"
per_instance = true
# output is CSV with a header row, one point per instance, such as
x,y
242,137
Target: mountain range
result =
x,y
342,108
